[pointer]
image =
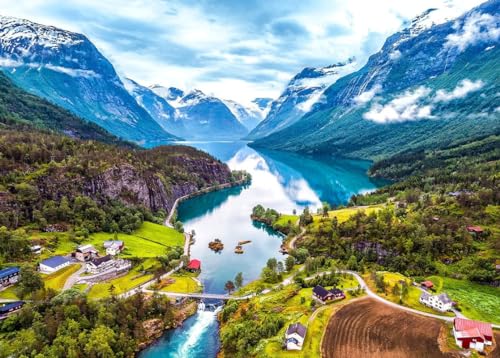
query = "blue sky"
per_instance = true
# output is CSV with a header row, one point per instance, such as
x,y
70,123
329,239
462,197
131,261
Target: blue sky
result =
x,y
238,49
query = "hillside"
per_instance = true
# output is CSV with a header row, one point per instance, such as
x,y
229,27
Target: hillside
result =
x,y
54,171
68,70
21,109
429,86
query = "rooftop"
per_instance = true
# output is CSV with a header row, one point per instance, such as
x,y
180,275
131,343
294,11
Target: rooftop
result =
x,y
55,261
86,248
5,308
296,328
8,271
320,291
462,324
110,243
100,260
194,264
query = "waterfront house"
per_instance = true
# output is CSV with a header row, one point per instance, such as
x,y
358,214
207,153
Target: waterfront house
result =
x,y
441,302
194,265
10,307
471,334
114,247
294,337
9,276
427,285
54,264
86,253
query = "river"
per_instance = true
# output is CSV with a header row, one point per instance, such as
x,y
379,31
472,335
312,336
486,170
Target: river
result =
x,y
283,181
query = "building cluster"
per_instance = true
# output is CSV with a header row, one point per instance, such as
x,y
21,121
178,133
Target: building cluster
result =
x,y
471,334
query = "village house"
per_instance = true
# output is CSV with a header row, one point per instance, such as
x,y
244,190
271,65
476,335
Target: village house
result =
x,y
9,276
114,247
472,334
86,253
100,264
54,264
441,302
427,285
294,337
36,249
194,265
323,295
10,307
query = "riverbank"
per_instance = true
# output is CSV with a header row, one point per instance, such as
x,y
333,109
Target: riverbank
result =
x,y
246,180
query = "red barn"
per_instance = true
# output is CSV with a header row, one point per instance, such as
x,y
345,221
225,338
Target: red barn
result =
x,y
472,334
194,265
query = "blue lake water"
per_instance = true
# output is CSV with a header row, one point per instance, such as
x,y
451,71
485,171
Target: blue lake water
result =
x,y
283,181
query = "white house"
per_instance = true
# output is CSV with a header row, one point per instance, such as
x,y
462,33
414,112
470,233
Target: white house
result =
x,y
107,264
114,247
54,264
294,337
440,302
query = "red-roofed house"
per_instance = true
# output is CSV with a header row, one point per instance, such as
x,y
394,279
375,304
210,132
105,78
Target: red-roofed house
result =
x,y
194,265
472,334
475,229
427,284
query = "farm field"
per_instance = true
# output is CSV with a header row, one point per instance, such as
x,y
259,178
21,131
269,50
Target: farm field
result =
x,y
371,329
9,293
57,279
476,301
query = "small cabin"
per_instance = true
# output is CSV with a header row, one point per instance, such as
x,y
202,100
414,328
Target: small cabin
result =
x,y
294,337
85,253
114,247
427,284
194,265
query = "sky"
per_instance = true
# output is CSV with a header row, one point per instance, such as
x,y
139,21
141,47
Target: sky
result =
x,y
233,49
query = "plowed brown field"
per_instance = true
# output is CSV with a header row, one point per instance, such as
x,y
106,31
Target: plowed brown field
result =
x,y
370,329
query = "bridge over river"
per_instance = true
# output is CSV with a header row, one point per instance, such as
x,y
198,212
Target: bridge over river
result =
x,y
212,296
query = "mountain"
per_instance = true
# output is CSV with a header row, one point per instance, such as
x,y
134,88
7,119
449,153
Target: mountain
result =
x,y
68,70
197,115
301,93
433,84
157,107
250,116
21,110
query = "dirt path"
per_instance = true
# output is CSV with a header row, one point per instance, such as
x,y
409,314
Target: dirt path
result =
x,y
371,329
291,243
74,277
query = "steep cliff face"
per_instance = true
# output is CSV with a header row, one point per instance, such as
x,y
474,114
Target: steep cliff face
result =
x,y
53,167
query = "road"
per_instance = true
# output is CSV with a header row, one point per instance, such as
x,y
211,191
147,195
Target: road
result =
x,y
74,277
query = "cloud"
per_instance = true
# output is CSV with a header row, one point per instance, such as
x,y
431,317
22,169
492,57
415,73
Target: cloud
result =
x,y
413,104
367,96
408,106
463,88
186,43
475,29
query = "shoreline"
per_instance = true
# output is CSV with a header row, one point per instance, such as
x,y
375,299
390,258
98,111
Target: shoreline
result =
x,y
207,190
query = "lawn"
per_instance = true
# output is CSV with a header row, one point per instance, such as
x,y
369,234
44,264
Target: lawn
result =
x,y
57,279
284,219
150,240
476,301
343,214
9,293
412,300
183,284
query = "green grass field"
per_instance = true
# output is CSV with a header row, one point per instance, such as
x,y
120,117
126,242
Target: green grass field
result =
x,y
284,219
150,240
57,279
183,284
9,293
343,214
121,284
476,301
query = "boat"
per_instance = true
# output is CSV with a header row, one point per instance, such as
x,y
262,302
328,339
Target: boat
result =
x,y
238,249
244,242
